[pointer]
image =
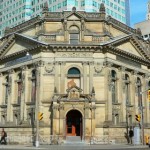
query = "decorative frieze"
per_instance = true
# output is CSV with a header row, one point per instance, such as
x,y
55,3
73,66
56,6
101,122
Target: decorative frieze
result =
x,y
74,54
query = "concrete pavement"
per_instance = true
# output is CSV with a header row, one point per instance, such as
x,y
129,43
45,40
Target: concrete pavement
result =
x,y
76,147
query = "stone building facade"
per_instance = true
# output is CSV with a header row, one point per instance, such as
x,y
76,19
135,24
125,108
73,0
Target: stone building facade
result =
x,y
83,71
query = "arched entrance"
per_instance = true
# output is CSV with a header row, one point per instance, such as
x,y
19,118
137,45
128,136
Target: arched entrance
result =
x,y
74,123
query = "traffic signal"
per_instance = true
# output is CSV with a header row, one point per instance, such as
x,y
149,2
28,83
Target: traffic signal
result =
x,y
149,95
40,116
138,118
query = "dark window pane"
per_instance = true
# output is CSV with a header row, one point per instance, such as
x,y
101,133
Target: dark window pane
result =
x,y
74,71
73,41
73,36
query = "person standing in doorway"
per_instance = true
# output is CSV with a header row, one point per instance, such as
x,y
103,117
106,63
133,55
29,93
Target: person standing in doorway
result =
x,y
131,134
3,137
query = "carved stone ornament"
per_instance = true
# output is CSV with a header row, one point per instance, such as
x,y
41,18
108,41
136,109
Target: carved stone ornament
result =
x,y
49,67
98,67
74,54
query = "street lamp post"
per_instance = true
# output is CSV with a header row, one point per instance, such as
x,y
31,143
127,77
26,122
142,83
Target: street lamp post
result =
x,y
36,103
37,109
142,115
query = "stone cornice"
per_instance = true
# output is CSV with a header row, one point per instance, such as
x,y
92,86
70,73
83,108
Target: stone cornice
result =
x,y
7,43
127,55
24,25
79,48
134,41
59,16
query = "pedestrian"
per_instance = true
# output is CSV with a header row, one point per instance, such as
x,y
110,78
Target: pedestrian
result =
x,y
3,137
131,134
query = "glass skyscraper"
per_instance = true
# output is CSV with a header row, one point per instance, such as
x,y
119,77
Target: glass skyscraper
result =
x,y
14,12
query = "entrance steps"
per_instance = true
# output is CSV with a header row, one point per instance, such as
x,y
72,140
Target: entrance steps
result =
x,y
74,140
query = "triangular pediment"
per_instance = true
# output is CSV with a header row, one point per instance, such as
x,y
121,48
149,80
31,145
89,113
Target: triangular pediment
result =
x,y
17,47
73,17
130,48
18,44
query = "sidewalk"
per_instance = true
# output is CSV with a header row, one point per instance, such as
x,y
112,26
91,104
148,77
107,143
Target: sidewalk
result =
x,y
75,147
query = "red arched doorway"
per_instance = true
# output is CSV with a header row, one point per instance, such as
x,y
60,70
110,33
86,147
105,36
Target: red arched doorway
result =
x,y
74,123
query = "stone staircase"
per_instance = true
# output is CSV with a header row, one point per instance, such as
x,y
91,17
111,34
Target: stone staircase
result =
x,y
74,140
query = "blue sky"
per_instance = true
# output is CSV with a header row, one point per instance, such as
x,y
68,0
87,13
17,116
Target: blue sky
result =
x,y
138,10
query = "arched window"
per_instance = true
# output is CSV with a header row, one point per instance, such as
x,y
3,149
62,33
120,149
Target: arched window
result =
x,y
139,88
19,87
114,86
73,72
74,35
127,89
33,86
73,76
6,89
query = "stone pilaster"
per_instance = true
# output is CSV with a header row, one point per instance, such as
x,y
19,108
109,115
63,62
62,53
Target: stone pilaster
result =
x,y
12,95
57,82
62,81
85,77
145,100
25,92
122,95
108,92
91,71
134,93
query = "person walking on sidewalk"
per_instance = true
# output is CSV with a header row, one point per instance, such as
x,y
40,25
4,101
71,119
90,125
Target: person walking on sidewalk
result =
x,y
3,137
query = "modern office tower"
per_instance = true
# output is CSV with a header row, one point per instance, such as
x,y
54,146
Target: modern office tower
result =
x,y
14,12
144,25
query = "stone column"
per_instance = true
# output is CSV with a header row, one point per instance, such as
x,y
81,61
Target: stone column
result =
x,y
145,100
62,78
122,95
9,95
1,87
57,82
1,94
108,93
25,92
134,92
82,29
85,77
91,72
12,94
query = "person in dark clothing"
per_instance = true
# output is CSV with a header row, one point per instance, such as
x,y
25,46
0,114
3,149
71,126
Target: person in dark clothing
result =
x,y
131,134
3,137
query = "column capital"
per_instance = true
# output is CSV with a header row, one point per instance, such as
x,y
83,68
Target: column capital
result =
x,y
84,63
122,68
108,64
134,72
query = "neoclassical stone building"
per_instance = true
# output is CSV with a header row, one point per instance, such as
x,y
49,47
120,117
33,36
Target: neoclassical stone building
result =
x,y
83,71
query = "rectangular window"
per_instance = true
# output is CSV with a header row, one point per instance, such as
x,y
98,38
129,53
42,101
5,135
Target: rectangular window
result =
x,y
74,38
